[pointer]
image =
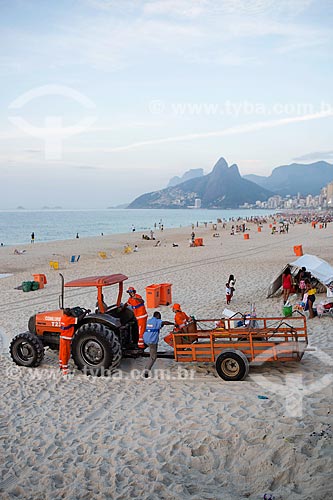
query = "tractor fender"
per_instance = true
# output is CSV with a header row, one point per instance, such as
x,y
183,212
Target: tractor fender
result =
x,y
104,319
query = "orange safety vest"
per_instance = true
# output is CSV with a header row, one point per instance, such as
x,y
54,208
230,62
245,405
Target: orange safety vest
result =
x,y
66,333
180,320
67,324
138,306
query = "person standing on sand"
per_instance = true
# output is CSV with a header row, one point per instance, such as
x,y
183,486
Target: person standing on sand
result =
x,y
67,324
287,284
32,237
137,304
151,337
231,284
309,298
228,293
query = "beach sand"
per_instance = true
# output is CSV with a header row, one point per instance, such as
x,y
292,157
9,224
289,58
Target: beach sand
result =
x,y
192,435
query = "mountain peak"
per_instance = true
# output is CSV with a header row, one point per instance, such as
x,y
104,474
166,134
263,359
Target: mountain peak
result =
x,y
220,165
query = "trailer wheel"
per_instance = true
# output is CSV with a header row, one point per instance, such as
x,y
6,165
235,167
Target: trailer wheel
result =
x,y
232,365
95,349
26,349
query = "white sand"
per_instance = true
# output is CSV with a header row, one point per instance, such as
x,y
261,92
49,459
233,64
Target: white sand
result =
x,y
200,437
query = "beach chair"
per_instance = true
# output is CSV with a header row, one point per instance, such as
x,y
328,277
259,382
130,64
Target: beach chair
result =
x,y
128,249
102,255
54,264
74,258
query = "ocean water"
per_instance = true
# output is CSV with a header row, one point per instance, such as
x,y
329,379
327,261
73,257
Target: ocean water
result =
x,y
50,225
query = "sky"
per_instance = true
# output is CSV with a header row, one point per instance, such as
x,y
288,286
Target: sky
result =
x,y
104,100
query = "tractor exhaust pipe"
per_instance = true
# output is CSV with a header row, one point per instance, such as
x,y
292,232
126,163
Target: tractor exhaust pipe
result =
x,y
61,297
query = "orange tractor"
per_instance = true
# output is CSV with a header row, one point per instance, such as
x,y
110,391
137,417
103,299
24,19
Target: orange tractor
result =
x,y
100,340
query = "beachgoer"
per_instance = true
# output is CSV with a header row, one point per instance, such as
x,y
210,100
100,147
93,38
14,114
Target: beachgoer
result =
x,y
67,324
181,317
231,284
133,228
18,252
136,248
300,280
309,298
287,284
157,244
151,337
137,303
193,237
228,293
77,235
152,235
32,237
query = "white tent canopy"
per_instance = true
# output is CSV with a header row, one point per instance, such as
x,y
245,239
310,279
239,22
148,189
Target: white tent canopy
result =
x,y
319,268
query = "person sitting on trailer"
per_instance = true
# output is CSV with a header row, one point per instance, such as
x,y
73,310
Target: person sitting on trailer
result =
x,y
181,317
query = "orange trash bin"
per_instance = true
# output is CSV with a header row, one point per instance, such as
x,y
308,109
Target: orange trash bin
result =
x,y
259,229
246,236
153,296
198,242
165,294
41,278
298,250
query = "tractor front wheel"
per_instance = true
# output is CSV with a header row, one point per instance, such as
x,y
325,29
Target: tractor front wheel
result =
x,y
26,349
232,365
96,349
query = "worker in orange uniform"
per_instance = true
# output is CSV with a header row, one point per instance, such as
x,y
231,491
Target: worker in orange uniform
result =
x,y
67,324
181,317
137,303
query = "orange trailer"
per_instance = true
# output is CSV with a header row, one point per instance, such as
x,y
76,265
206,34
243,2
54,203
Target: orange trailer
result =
x,y
232,348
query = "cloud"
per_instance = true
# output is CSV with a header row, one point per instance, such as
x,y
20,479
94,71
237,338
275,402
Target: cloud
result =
x,y
316,155
240,129
112,35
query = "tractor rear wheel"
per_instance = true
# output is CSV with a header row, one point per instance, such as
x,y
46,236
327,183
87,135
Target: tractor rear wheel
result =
x,y
26,349
96,349
232,365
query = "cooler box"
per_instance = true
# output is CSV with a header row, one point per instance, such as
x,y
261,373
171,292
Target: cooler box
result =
x,y
165,294
41,278
153,296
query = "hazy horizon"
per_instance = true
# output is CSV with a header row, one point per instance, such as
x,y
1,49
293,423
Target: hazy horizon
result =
x,y
103,101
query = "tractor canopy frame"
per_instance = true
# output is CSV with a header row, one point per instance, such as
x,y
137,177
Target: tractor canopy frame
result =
x,y
99,282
